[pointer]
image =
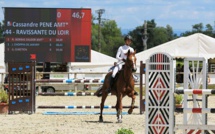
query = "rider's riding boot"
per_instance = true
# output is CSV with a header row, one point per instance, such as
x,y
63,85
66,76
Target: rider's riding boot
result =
x,y
110,84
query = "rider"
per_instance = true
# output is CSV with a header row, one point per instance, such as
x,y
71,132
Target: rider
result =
x,y
121,56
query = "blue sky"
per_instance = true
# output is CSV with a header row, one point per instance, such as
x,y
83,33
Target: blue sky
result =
x,y
128,14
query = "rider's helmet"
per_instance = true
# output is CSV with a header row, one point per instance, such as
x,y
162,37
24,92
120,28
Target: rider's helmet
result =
x,y
128,37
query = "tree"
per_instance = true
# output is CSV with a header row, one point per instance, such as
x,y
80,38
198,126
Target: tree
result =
x,y
111,37
209,30
137,35
198,27
1,32
160,35
170,33
1,28
94,37
156,35
150,29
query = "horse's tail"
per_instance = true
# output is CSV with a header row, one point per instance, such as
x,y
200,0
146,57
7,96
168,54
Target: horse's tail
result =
x,y
98,93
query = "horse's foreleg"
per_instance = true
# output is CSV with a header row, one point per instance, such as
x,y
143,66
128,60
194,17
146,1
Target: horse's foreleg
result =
x,y
117,107
104,96
133,97
119,112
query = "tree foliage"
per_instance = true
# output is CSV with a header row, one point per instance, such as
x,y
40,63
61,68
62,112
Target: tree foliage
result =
x,y
156,35
111,37
1,28
160,35
1,32
199,28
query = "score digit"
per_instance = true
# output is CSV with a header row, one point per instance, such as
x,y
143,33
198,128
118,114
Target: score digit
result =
x,y
78,15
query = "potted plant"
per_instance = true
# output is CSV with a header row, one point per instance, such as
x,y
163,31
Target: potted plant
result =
x,y
178,100
3,101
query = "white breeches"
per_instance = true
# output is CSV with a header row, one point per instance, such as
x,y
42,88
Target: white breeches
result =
x,y
117,68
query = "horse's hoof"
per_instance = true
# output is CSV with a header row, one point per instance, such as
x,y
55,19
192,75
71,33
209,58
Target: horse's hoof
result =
x,y
130,111
100,119
119,121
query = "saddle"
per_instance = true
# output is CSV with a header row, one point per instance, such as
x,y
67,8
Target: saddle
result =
x,y
135,77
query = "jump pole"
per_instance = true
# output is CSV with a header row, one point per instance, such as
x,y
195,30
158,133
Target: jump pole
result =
x,y
80,107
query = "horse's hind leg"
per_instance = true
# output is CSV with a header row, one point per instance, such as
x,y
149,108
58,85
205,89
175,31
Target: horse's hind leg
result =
x,y
104,96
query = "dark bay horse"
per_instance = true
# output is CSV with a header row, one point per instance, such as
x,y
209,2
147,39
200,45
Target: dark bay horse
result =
x,y
123,85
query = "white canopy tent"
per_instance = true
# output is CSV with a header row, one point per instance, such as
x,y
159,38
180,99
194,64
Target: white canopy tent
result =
x,y
2,63
196,45
99,63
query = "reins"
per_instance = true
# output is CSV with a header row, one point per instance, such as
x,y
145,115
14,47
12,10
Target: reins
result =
x,y
130,68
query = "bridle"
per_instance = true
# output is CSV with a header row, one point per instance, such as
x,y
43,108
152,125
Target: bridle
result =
x,y
131,67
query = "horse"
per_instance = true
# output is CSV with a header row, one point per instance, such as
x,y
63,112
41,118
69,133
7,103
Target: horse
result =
x,y
123,85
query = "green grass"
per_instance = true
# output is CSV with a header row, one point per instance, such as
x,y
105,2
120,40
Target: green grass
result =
x,y
211,86
124,131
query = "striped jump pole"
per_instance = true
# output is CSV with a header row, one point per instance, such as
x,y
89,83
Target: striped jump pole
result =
x,y
70,81
195,91
195,110
87,81
74,82
69,94
80,107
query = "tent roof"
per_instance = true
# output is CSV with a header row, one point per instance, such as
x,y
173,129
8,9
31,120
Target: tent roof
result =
x,y
2,54
196,45
97,59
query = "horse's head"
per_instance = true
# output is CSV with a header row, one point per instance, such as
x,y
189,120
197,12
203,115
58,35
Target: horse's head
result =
x,y
131,61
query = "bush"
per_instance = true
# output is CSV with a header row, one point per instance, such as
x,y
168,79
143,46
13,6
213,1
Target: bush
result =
x,y
178,98
124,131
3,96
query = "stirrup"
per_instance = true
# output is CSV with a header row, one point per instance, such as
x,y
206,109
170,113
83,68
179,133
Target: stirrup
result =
x,y
135,78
